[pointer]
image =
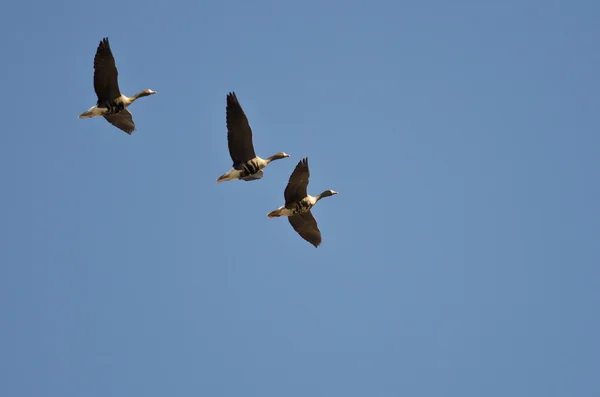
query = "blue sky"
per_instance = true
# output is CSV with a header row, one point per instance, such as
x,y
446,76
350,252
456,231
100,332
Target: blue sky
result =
x,y
461,257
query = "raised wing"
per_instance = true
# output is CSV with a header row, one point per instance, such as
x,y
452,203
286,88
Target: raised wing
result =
x,y
106,82
239,133
298,182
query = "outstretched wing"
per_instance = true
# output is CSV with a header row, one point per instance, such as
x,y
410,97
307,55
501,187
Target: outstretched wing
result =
x,y
106,82
239,133
122,120
298,182
306,226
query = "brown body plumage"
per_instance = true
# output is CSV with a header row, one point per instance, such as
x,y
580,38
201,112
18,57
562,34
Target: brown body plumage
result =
x,y
247,166
111,104
298,204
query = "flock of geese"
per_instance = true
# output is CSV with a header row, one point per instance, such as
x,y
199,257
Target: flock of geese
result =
x,y
247,166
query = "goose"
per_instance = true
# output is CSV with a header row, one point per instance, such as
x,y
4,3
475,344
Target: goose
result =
x,y
298,204
112,105
247,166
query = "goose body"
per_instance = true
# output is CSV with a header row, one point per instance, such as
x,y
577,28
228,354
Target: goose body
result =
x,y
247,166
298,204
111,104
294,208
110,107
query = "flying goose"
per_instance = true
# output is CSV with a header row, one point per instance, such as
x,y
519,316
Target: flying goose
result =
x,y
247,166
112,105
298,204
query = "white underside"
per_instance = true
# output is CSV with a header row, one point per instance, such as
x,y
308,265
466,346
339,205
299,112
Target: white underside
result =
x,y
285,211
230,175
94,111
281,211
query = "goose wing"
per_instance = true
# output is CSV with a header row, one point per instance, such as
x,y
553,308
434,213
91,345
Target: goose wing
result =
x,y
253,177
239,133
122,120
106,82
298,182
306,226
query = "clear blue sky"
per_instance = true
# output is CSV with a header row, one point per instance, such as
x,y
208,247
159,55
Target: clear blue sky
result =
x,y
461,257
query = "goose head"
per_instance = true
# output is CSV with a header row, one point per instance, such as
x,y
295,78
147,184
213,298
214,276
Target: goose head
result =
x,y
326,193
278,156
146,93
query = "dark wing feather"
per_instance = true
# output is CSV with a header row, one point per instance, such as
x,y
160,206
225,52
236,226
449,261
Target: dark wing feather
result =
x,y
298,182
306,226
122,120
239,133
253,177
106,82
